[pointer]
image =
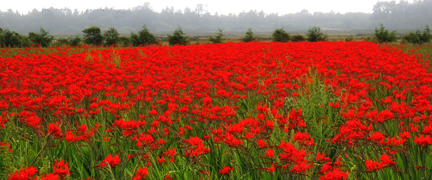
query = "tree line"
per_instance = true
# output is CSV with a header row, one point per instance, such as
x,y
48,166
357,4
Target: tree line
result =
x,y
402,15
94,36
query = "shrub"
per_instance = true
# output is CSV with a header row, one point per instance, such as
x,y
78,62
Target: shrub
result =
x,y
249,36
144,37
382,35
418,37
314,34
349,38
111,36
178,38
43,39
218,38
92,35
10,38
63,41
297,38
124,41
75,41
279,35
25,41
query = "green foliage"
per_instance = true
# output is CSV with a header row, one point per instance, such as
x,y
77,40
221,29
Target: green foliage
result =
x,y
7,161
218,38
418,37
63,41
111,36
42,39
10,38
93,36
279,35
75,41
349,38
144,37
25,41
178,38
382,35
297,38
124,41
314,34
249,36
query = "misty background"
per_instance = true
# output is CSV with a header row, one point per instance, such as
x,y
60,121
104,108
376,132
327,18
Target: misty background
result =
x,y
401,15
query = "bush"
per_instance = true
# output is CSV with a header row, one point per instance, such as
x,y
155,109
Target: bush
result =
x,y
418,37
178,38
144,37
63,41
382,35
249,36
297,38
216,39
111,36
314,34
43,39
25,41
75,41
279,35
124,41
92,35
10,38
349,38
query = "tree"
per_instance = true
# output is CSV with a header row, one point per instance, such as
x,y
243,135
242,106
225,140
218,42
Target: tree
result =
x,y
314,34
111,36
92,35
279,35
218,38
178,38
144,37
42,39
382,35
249,36
10,39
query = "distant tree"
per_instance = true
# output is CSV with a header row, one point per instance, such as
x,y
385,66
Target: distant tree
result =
x,y
217,38
249,36
111,36
418,37
178,38
42,39
297,38
92,35
314,34
10,39
279,35
144,37
382,35
75,41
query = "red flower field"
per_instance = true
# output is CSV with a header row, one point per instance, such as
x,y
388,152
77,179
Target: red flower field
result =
x,y
324,110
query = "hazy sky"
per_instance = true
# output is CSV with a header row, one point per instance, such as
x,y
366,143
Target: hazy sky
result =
x,y
220,6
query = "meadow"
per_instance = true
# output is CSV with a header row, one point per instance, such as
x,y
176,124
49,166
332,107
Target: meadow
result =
x,y
257,110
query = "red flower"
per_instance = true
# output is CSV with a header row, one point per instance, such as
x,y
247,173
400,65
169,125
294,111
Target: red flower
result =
x,y
112,161
61,168
141,174
225,170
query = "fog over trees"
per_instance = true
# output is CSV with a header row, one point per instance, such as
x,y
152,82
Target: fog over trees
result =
x,y
394,15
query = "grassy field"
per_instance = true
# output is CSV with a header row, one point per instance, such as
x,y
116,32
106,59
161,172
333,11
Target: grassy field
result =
x,y
259,110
